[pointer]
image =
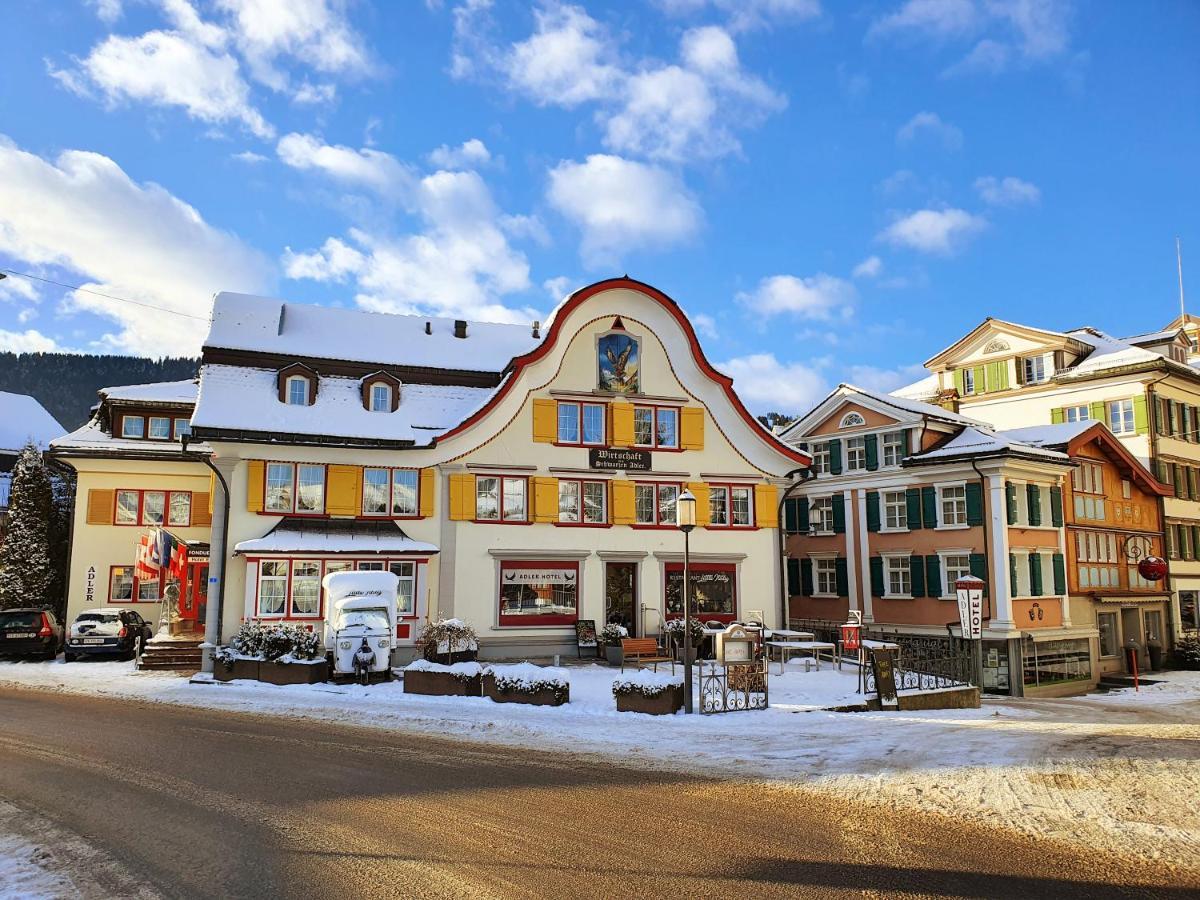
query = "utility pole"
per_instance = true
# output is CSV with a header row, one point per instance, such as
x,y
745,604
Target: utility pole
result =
x,y
1179,268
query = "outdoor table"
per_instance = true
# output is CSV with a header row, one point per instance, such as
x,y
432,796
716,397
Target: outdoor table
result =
x,y
815,647
792,635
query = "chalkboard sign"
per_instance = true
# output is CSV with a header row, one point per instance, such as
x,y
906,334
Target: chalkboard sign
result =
x,y
585,635
883,665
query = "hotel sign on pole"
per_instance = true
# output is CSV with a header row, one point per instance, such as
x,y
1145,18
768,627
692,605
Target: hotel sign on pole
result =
x,y
629,460
970,606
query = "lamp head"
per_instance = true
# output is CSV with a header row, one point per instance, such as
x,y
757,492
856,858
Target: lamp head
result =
x,y
685,511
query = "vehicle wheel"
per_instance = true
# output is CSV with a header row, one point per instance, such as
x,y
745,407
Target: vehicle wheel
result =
x,y
51,654
68,656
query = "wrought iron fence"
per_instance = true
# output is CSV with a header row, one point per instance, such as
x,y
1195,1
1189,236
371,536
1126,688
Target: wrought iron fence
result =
x,y
928,669
732,688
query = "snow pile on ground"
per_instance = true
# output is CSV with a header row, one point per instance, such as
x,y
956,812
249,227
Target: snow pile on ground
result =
x,y
1116,771
25,871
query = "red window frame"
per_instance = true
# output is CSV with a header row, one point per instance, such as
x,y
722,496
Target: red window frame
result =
x,y
658,522
579,405
391,470
135,585
355,564
500,520
729,506
141,522
167,514
518,621
295,510
607,523
655,408
696,569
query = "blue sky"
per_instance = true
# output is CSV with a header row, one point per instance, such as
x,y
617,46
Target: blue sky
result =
x,y
834,192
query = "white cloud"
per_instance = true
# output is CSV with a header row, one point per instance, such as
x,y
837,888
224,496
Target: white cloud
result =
x,y
1008,191
930,18
107,11
705,324
747,14
558,288
14,287
931,124
83,213
250,157
469,154
333,262
940,231
884,380
373,169
821,297
767,385
566,61
30,341
988,57
309,94
870,267
620,204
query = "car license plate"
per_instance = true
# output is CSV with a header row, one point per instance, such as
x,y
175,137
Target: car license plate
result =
x,y
93,640
21,635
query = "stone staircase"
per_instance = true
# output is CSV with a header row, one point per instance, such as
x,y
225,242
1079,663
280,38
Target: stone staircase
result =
x,y
174,655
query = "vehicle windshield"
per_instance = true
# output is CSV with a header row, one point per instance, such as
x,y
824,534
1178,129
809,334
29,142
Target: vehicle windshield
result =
x,y
364,619
96,617
21,620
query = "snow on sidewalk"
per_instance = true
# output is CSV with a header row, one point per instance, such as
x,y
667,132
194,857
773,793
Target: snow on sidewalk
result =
x,y
1114,771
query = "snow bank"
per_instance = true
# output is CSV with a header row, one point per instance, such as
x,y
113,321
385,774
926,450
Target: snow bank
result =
x,y
527,677
646,682
462,669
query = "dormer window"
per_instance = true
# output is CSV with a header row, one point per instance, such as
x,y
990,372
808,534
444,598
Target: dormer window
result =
x,y
297,385
1036,369
381,392
298,391
381,397
133,426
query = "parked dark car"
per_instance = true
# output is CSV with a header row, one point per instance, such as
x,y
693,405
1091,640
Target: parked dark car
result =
x,y
107,632
30,633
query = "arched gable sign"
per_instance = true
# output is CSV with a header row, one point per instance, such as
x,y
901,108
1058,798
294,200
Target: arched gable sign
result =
x,y
619,361
851,420
999,345
555,330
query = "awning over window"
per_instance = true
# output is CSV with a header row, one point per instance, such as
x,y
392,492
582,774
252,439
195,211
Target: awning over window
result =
x,y
295,534
1128,599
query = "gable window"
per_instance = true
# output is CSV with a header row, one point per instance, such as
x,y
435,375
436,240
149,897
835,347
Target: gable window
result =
x,y
820,456
895,510
968,380
856,454
500,499
730,507
954,567
1035,369
953,505
852,420
897,576
580,423
381,397
1076,413
182,427
133,427
656,426
825,576
893,448
654,504
1120,417
1087,483
821,515
583,502
160,428
298,390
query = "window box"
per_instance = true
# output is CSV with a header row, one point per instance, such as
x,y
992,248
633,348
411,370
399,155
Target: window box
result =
x,y
526,683
432,679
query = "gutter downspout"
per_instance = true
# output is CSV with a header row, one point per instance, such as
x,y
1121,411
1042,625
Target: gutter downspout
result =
x,y
806,475
212,624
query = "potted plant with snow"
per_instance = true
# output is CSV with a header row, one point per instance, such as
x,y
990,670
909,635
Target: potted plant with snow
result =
x,y
448,641
656,693
612,635
674,631
290,656
527,683
240,658
463,679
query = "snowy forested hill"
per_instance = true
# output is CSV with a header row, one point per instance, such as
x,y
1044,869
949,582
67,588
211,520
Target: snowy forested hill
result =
x,y
66,383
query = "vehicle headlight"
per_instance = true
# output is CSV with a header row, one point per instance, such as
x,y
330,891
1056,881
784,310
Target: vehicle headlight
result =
x,y
345,645
384,643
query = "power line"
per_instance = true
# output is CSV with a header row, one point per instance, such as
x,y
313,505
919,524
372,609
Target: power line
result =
x,y
74,287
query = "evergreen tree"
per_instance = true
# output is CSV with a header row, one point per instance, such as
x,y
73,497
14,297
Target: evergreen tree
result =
x,y
774,419
26,575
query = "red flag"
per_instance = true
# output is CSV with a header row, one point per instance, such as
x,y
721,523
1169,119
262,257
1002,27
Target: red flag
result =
x,y
143,567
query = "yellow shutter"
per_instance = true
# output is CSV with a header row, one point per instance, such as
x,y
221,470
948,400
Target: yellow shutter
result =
x,y
462,493
766,505
427,490
201,509
545,421
101,506
700,491
343,491
622,425
691,428
255,485
545,499
623,503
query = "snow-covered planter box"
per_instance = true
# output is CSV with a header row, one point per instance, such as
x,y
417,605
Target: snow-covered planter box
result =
x,y
656,693
448,641
462,679
235,668
294,671
527,683
272,652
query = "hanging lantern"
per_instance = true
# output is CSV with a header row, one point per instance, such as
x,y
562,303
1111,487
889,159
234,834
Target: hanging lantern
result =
x,y
1153,568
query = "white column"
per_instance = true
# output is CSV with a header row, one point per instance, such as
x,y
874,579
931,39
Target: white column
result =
x,y
864,559
1002,619
217,595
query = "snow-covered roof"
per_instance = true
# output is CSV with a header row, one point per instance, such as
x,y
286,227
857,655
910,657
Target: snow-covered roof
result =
x,y
92,437
980,441
245,399
1153,337
1058,435
23,419
158,392
1108,352
877,398
246,322
302,535
924,389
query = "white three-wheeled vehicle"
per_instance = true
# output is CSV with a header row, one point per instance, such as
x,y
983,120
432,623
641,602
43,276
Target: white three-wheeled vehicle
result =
x,y
360,623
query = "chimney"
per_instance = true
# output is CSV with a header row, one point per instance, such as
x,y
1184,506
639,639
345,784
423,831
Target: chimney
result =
x,y
537,327
460,328
429,328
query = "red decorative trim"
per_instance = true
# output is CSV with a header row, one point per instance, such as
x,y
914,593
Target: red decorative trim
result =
x,y
517,620
578,298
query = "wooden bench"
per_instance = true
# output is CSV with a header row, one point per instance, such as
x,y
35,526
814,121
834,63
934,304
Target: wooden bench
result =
x,y
643,651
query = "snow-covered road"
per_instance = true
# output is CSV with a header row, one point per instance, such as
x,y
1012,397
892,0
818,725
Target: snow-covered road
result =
x,y
1115,771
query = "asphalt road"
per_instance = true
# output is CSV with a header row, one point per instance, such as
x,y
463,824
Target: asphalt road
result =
x,y
197,803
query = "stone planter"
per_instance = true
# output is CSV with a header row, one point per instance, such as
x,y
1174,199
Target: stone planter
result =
x,y
614,653
442,684
542,697
664,703
443,659
293,673
241,669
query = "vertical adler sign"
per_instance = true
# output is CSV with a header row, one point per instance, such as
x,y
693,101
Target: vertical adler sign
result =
x,y
629,460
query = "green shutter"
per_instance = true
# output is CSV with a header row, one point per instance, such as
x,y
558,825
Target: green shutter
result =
x,y
979,569
839,514
916,575
1194,482
974,503
1012,575
904,443
872,443
1034,496
1169,538
843,580
793,577
1180,483
1035,575
981,385
1060,573
912,499
1056,506
872,510
835,457
1139,414
1172,418
1010,501
933,575
1001,380
1056,416
791,515
806,577
1160,418
960,382
877,576
929,507
1096,412
802,515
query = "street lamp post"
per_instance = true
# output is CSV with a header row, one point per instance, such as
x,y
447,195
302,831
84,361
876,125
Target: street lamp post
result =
x,y
685,519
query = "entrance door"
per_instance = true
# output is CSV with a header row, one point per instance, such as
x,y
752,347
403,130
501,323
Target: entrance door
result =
x,y
1131,630
200,594
620,595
